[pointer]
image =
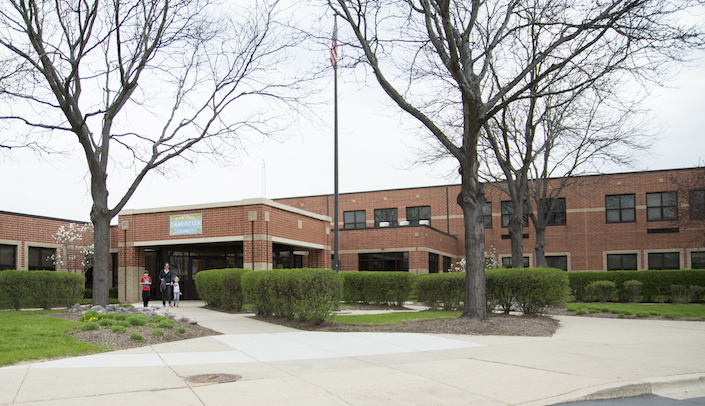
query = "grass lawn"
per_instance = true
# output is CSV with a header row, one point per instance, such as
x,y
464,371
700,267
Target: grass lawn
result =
x,y
668,310
26,336
393,318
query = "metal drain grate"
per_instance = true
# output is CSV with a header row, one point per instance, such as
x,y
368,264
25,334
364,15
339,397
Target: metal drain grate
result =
x,y
213,378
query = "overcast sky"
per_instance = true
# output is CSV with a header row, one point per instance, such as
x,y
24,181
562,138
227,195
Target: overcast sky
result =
x,y
377,147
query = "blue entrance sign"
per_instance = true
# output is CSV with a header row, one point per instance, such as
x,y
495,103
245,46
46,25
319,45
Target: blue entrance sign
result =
x,y
186,224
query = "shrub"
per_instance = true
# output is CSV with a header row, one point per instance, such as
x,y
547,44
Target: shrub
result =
x,y
656,283
380,288
532,290
441,290
124,323
106,322
136,336
621,315
180,330
309,294
87,293
601,291
119,329
113,292
45,289
89,314
642,314
136,319
157,332
165,324
90,326
682,294
221,288
632,290
580,312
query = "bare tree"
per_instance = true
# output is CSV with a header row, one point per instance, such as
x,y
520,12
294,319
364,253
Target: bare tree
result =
x,y
139,83
691,188
450,64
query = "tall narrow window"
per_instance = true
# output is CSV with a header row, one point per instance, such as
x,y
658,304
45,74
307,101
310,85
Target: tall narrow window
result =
x,y
386,215
354,219
447,264
8,257
620,209
433,262
416,214
662,206
41,258
697,204
487,214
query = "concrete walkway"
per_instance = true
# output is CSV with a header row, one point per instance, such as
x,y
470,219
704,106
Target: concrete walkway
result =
x,y
586,358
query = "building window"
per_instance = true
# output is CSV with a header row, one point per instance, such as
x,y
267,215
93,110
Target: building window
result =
x,y
8,257
386,215
555,217
507,262
557,261
697,260
447,264
354,219
664,260
487,214
433,262
415,214
621,262
508,210
41,258
697,204
620,209
662,206
383,261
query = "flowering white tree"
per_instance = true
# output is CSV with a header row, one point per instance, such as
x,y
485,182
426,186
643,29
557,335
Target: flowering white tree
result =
x,y
76,249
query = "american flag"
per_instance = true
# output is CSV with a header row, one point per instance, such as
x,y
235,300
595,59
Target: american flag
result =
x,y
334,45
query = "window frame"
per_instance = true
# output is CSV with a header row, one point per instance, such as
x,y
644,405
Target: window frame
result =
x,y
507,209
621,209
379,217
433,262
559,211
13,263
356,223
383,261
487,215
656,212
622,257
696,206
45,254
414,215
700,261
655,255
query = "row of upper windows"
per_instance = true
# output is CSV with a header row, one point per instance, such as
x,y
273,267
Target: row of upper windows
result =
x,y
660,206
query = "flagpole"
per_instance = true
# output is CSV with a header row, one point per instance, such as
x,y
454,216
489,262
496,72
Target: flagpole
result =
x,y
334,60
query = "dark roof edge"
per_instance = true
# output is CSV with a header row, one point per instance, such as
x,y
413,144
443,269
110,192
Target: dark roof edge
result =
x,y
458,184
34,216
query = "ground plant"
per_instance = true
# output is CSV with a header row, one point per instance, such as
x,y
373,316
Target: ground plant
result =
x,y
671,311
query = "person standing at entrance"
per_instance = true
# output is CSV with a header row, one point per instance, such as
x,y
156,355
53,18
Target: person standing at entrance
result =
x,y
146,283
177,291
166,284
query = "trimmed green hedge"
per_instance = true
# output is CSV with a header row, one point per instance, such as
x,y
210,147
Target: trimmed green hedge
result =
x,y
529,289
532,290
441,290
43,289
306,294
657,285
378,287
221,288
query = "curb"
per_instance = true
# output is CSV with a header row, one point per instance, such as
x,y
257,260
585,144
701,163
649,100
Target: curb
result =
x,y
658,386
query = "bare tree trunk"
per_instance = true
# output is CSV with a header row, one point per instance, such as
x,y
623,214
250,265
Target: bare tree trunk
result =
x,y
471,199
100,216
516,230
540,247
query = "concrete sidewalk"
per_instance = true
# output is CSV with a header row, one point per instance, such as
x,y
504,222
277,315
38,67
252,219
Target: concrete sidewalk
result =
x,y
587,357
